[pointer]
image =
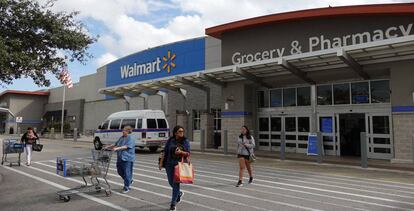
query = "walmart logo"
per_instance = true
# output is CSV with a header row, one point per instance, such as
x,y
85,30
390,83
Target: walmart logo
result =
x,y
132,70
169,62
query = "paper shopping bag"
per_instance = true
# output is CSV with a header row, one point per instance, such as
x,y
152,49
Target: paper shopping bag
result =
x,y
184,172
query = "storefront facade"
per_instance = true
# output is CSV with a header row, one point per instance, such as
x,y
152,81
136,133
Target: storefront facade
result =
x,y
339,71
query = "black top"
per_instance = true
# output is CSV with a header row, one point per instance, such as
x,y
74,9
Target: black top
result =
x,y
25,139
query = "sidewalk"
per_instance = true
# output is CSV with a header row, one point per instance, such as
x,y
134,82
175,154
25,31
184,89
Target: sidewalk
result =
x,y
335,160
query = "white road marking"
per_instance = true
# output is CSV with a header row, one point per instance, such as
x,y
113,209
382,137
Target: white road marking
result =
x,y
276,187
138,189
100,201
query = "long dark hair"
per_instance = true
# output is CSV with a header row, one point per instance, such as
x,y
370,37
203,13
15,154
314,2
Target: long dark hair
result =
x,y
248,136
175,130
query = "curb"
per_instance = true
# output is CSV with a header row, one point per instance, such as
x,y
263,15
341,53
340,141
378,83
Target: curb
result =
x,y
372,167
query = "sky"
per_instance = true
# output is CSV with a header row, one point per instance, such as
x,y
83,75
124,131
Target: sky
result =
x,y
129,26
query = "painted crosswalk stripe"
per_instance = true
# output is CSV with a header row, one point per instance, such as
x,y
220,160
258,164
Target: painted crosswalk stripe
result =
x,y
100,201
140,189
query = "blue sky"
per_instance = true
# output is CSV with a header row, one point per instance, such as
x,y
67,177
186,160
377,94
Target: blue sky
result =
x,y
128,26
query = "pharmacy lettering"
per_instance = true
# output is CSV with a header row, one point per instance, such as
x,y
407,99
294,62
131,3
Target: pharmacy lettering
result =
x,y
321,42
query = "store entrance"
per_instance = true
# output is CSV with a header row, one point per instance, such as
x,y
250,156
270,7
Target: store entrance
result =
x,y
350,127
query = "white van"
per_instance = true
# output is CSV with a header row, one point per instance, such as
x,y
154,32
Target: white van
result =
x,y
150,128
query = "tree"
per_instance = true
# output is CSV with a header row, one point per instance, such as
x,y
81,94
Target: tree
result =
x,y
35,41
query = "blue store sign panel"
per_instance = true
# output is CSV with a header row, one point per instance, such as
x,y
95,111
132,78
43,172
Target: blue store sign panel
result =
x,y
163,61
312,144
327,125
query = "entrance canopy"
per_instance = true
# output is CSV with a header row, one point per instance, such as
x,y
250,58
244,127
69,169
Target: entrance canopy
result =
x,y
353,57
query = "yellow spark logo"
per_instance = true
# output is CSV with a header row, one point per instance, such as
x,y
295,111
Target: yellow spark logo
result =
x,y
169,62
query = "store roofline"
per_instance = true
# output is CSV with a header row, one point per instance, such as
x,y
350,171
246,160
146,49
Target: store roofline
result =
x,y
390,50
24,93
356,10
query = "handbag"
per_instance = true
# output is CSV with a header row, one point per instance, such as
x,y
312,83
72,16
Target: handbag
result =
x,y
252,157
184,172
37,147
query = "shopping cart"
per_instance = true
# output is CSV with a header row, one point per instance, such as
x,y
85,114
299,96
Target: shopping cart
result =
x,y
12,146
96,171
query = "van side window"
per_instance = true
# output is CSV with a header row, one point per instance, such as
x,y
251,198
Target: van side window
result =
x,y
151,124
139,126
115,124
128,122
105,125
162,123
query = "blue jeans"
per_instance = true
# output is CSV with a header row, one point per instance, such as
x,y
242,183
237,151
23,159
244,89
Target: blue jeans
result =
x,y
175,186
124,169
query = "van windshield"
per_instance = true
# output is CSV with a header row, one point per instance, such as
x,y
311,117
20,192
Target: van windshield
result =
x,y
105,125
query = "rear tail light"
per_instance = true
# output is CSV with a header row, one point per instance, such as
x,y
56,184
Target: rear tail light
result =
x,y
144,135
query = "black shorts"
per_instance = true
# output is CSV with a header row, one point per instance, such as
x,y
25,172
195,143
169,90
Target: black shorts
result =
x,y
246,157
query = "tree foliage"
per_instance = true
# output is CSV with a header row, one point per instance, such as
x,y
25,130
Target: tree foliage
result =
x,y
34,40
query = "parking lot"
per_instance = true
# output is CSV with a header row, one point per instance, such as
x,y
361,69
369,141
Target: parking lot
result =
x,y
277,185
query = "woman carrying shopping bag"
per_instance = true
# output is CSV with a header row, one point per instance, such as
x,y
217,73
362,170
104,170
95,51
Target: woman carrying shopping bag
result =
x,y
28,139
245,145
176,149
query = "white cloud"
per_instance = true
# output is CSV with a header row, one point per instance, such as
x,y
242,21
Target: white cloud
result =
x,y
105,59
130,31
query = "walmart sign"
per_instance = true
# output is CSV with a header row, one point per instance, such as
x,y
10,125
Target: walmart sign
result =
x,y
163,61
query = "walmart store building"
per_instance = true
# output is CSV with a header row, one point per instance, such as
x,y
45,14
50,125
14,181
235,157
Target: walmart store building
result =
x,y
340,71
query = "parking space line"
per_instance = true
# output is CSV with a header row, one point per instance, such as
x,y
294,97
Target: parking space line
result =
x,y
138,189
241,195
321,183
100,201
337,177
276,187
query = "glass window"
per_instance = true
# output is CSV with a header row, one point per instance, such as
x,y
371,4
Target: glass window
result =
x,y
162,123
196,120
276,124
380,91
128,122
115,124
263,98
289,97
217,118
341,93
263,124
151,124
290,124
276,98
303,124
360,92
304,96
139,126
380,125
105,125
324,95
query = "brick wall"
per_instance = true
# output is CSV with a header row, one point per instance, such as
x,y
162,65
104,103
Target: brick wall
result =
x,y
403,136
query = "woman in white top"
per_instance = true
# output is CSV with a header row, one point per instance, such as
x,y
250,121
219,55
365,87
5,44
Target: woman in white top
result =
x,y
245,145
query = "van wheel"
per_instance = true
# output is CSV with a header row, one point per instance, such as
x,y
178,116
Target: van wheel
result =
x,y
153,149
97,144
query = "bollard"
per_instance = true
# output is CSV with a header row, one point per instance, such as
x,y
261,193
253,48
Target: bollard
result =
x,y
225,143
282,145
52,133
412,144
320,142
202,140
75,134
364,159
